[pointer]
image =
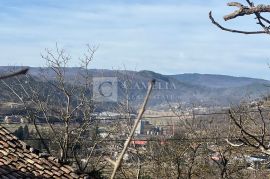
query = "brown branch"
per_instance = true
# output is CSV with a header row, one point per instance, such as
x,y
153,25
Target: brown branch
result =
x,y
21,72
259,17
236,4
241,127
110,161
233,30
246,135
234,144
244,10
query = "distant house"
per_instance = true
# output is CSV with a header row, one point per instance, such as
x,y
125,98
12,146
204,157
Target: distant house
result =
x,y
257,161
15,119
12,119
146,128
139,142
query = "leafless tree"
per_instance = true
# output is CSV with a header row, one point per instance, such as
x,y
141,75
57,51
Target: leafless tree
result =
x,y
253,127
249,129
65,104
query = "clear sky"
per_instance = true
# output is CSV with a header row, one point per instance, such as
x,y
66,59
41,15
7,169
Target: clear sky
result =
x,y
169,36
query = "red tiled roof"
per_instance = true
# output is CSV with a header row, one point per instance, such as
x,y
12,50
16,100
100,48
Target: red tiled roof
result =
x,y
139,142
18,160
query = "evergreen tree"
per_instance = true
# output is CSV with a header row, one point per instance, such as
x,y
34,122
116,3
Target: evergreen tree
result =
x,y
19,133
26,132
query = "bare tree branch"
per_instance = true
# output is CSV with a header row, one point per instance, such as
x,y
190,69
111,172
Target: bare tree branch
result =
x,y
233,144
233,30
244,10
21,72
120,158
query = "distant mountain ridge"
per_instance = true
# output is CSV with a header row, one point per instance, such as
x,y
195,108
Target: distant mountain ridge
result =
x,y
187,89
216,81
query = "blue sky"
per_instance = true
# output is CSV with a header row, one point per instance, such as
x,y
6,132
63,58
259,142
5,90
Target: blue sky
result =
x,y
169,36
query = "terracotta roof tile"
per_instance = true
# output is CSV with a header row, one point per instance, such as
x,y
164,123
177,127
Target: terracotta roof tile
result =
x,y
19,160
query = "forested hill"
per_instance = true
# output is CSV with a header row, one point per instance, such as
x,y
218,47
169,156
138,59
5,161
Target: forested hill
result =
x,y
193,88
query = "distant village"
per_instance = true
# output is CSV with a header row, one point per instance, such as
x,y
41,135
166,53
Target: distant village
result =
x,y
163,128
